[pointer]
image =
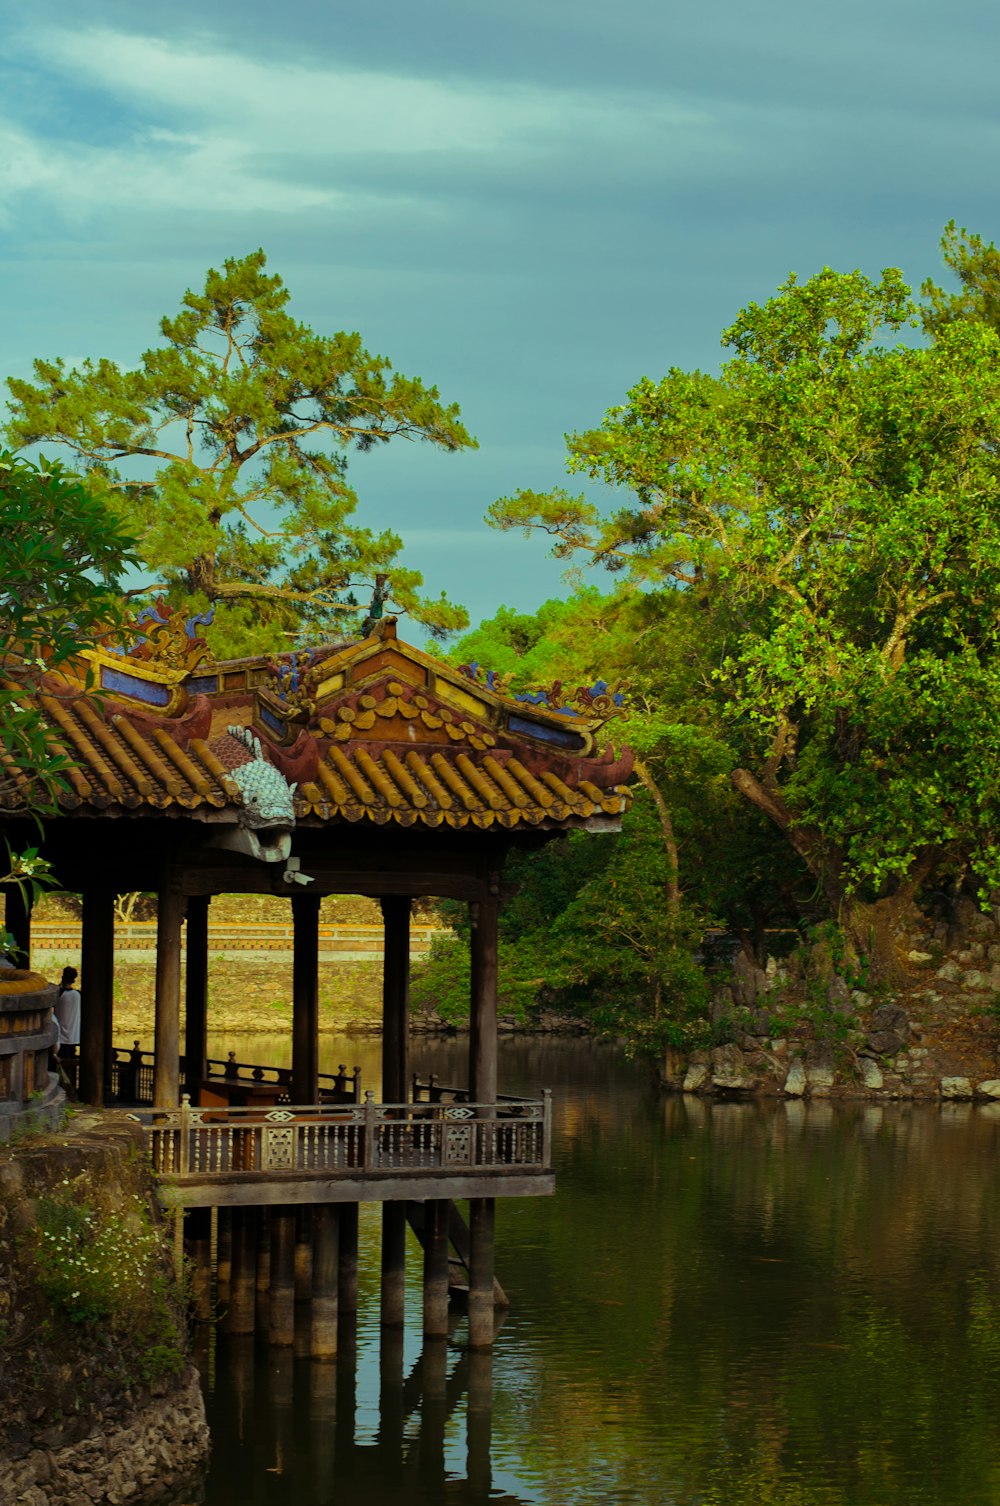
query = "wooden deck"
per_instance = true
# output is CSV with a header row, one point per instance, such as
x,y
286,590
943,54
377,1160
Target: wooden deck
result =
x,y
370,1152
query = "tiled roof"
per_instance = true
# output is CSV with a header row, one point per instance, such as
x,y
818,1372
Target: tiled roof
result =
x,y
393,737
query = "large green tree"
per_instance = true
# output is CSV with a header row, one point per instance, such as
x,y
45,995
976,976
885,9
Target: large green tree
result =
x,y
833,501
225,449
62,553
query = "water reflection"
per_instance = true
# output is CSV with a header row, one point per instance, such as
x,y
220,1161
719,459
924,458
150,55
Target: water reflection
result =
x,y
287,1430
793,1304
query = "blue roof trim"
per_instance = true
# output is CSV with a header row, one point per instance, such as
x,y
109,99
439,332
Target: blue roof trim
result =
x,y
132,686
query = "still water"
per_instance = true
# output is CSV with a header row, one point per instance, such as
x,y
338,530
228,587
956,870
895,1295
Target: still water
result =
x,y
785,1304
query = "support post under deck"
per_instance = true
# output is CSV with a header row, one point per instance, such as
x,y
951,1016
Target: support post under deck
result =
x,y
167,1033
324,1281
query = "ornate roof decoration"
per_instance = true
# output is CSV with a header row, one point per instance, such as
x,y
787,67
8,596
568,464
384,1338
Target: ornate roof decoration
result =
x,y
600,702
374,731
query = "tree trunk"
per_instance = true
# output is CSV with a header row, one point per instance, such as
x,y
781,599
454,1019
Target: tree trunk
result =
x,y
673,889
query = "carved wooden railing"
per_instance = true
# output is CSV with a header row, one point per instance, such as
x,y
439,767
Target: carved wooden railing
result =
x,y
132,1077
366,1139
430,1090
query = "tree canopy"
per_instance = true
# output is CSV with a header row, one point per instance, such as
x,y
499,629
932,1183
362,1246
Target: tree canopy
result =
x,y
224,449
831,499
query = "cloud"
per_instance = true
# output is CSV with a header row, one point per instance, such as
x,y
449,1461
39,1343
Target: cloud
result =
x,y
210,129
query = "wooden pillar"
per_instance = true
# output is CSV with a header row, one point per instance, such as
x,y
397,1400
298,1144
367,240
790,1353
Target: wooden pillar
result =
x,y
324,1280
263,1268
305,998
243,1277
396,999
436,1214
167,1032
198,1245
223,1254
483,1010
97,948
393,1264
281,1326
303,1254
481,1267
17,920
196,994
347,1261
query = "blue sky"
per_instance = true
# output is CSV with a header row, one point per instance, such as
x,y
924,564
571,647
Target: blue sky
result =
x,y
531,205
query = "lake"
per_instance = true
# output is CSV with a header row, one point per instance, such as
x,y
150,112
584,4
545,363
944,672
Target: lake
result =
x,y
775,1303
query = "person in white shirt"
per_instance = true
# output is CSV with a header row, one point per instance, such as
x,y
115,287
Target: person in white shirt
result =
x,y
67,1010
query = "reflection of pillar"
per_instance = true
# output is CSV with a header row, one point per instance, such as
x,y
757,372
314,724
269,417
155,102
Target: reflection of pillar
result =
x,y
17,919
393,1264
391,1411
347,1389
347,1261
281,1396
436,1213
322,1429
481,1264
324,1280
97,952
243,1277
240,1365
433,1416
303,1254
167,1042
223,1254
305,998
196,994
281,1325
479,1413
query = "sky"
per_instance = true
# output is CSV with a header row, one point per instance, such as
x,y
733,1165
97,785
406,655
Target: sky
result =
x,y
531,205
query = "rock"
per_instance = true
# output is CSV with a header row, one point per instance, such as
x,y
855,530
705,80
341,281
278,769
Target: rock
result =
x,y
956,1087
920,957
729,1067
949,972
820,1064
890,1030
838,996
871,1074
860,1000
795,1082
695,1077
760,1022
975,979
747,980
990,1088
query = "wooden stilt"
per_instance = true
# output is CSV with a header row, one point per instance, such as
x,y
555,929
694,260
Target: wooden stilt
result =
x,y
303,1254
347,1261
305,998
483,1013
263,1268
196,994
243,1279
97,946
435,1243
198,1246
326,1218
481,1262
393,1264
281,1324
223,1255
166,1073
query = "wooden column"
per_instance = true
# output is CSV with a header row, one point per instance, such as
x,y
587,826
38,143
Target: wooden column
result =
x,y
281,1327
167,1032
436,1214
97,949
17,920
303,1254
263,1268
324,1280
198,1245
481,1268
243,1276
396,999
196,994
347,1262
305,998
393,1264
483,1010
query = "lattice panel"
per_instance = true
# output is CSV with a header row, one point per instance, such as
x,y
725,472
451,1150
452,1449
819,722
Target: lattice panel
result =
x,y
279,1148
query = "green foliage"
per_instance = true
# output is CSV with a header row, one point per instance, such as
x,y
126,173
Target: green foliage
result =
x,y
104,1265
225,449
830,501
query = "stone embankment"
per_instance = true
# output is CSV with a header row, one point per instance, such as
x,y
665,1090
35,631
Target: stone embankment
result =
x,y
99,1404
801,1028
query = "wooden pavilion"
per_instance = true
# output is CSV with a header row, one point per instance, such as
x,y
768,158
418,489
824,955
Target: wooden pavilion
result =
x,y
366,768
